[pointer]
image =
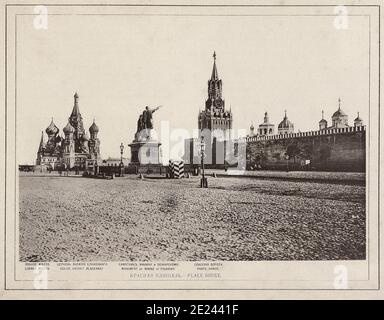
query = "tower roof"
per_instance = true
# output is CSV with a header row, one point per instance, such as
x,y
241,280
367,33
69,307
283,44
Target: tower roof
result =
x,y
266,118
41,145
68,128
75,110
358,117
214,75
339,112
285,123
322,117
93,128
52,128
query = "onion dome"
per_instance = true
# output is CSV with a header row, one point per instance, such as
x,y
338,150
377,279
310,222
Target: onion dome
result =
x,y
358,117
339,113
68,129
285,123
93,128
84,137
252,127
52,129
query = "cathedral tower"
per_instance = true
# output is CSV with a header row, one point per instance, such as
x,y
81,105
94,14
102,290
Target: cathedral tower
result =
x,y
76,121
94,142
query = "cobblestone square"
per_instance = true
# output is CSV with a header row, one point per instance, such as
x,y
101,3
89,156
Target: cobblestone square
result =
x,y
126,219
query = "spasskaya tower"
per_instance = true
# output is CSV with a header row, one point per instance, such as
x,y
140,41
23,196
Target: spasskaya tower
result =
x,y
214,116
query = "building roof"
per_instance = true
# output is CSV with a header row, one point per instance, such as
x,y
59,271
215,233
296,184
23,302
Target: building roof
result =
x,y
214,75
68,128
93,128
339,113
266,122
41,145
285,123
358,117
75,110
322,117
52,128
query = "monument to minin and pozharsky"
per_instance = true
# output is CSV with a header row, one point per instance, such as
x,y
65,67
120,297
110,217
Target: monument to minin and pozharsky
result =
x,y
145,148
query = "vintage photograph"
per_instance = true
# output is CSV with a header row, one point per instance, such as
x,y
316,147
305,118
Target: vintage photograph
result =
x,y
166,137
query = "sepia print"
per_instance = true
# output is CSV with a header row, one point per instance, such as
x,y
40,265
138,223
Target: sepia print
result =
x,y
192,147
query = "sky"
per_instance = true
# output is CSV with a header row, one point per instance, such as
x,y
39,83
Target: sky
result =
x,y
120,64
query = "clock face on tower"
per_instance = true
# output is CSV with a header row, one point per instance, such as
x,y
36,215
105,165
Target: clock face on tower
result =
x,y
218,103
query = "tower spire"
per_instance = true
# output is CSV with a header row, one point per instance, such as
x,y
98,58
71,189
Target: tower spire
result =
x,y
76,110
214,75
75,119
339,103
41,145
266,118
322,114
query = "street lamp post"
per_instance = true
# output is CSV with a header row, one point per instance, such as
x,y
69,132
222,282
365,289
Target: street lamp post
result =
x,y
287,158
203,181
121,160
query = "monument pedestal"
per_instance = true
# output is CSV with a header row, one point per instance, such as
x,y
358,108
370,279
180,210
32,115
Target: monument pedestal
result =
x,y
145,152
145,148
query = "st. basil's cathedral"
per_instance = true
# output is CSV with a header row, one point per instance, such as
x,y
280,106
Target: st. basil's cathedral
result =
x,y
76,149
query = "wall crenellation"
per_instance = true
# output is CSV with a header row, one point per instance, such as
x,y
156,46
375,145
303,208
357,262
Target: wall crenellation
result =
x,y
323,132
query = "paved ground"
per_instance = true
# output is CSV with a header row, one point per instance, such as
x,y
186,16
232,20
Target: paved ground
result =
x,y
74,218
354,178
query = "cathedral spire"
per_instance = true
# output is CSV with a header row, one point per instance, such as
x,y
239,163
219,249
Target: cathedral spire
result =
x,y
41,145
214,75
75,119
75,110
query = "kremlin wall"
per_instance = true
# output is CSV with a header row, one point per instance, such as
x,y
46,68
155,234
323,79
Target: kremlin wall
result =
x,y
334,149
